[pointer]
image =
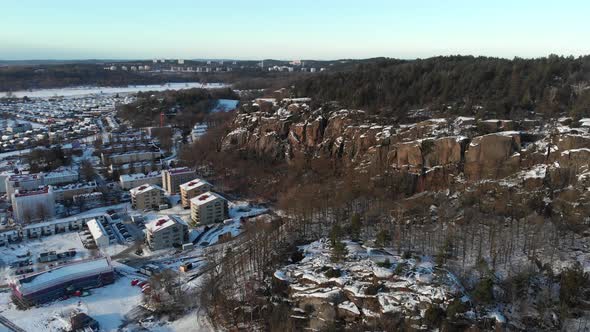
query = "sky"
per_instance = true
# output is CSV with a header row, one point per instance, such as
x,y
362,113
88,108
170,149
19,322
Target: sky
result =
x,y
304,29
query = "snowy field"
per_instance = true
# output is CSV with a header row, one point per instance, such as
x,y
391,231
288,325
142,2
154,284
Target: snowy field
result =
x,y
87,90
58,243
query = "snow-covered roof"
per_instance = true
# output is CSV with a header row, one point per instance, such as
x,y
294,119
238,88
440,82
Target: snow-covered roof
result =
x,y
42,190
137,176
62,274
163,222
179,170
61,172
96,229
205,198
145,188
196,183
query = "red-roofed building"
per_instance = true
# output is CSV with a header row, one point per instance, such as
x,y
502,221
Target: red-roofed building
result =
x,y
146,196
165,232
208,208
192,189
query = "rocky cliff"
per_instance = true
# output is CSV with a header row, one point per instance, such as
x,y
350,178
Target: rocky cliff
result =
x,y
435,151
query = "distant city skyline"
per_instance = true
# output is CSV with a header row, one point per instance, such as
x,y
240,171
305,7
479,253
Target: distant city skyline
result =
x,y
323,30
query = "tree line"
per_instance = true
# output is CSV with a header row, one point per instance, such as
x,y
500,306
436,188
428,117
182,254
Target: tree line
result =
x,y
504,87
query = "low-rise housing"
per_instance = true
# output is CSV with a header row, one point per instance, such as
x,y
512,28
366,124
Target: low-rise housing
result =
x,y
99,234
130,157
60,176
129,181
67,192
49,285
88,201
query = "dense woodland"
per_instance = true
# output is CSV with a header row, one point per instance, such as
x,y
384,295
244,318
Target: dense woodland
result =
x,y
483,233
16,78
504,87
182,108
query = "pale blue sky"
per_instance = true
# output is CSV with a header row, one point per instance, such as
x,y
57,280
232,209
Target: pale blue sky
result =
x,y
319,29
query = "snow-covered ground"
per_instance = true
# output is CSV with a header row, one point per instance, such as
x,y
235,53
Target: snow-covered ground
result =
x,y
58,243
107,305
88,90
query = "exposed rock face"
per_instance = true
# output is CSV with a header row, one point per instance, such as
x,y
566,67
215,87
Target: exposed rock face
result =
x,y
358,288
435,151
492,155
569,141
575,158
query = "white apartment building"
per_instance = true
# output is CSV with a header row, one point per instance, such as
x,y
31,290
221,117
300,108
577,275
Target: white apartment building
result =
x,y
33,205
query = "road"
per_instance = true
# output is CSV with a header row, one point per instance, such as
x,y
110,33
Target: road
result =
x,y
10,325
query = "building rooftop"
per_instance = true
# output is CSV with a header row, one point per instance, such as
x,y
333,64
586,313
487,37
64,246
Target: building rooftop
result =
x,y
39,191
137,176
179,170
162,222
77,185
61,172
196,183
205,198
62,274
24,177
144,188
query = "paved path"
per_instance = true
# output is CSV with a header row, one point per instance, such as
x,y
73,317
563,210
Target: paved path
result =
x,y
10,325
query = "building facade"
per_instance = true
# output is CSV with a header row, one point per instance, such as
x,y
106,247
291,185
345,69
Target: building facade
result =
x,y
129,181
192,189
99,234
23,182
208,208
146,197
67,192
166,232
173,178
33,205
50,285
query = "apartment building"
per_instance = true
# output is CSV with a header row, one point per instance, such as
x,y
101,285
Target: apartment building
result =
x,y
146,197
33,205
173,178
23,182
166,232
68,191
208,208
193,189
129,181
130,157
60,176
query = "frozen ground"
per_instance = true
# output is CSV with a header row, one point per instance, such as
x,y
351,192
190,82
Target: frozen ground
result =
x,y
58,243
107,305
88,90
